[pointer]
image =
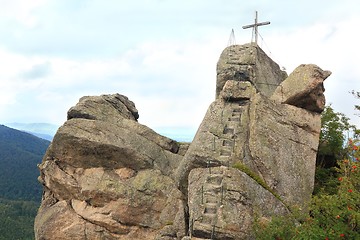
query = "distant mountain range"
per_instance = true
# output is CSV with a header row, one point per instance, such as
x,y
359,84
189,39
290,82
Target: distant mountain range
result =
x,y
47,131
41,130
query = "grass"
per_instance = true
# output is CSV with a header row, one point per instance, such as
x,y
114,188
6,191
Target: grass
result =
x,y
240,166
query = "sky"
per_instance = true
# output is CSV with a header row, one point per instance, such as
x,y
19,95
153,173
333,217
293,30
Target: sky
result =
x,y
161,54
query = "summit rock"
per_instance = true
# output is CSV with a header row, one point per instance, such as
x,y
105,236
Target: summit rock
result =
x,y
248,63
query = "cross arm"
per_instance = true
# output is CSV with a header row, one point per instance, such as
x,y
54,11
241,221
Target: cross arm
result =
x,y
255,25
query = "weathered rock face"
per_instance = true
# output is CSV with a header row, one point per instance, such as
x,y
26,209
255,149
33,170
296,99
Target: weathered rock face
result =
x,y
223,202
106,176
248,63
106,108
304,88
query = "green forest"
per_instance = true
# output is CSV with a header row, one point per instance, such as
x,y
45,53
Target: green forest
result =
x,y
17,219
20,192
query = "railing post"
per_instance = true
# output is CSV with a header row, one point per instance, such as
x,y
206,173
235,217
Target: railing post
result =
x,y
191,227
222,194
222,113
213,232
202,194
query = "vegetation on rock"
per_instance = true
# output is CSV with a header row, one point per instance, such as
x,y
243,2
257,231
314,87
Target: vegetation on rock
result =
x,y
243,168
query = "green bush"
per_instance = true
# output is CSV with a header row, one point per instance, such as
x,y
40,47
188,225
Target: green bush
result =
x,y
326,180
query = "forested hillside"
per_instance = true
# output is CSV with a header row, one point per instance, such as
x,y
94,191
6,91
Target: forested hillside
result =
x,y
17,219
20,192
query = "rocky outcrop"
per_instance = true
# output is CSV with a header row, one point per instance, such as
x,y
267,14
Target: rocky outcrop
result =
x,y
259,127
106,176
248,63
107,108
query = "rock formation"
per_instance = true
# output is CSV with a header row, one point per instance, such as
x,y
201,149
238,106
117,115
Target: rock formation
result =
x,y
248,63
106,176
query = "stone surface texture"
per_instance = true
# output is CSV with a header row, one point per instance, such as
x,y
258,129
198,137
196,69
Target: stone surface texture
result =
x,y
249,63
304,88
106,176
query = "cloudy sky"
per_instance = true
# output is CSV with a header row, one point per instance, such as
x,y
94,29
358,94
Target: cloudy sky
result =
x,y
162,54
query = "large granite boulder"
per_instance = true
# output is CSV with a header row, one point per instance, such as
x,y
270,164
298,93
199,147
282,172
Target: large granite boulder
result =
x,y
304,88
106,107
105,176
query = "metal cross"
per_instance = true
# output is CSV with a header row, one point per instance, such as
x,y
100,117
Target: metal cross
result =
x,y
255,26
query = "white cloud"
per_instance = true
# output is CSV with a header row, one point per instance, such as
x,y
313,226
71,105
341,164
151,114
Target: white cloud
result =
x,y
161,54
170,80
21,11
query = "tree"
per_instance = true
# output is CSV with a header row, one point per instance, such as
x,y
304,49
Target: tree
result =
x,y
334,125
335,130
